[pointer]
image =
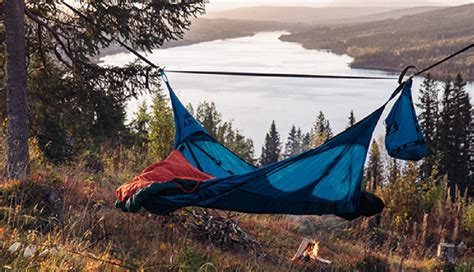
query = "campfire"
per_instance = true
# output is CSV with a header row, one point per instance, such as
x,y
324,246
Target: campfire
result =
x,y
308,251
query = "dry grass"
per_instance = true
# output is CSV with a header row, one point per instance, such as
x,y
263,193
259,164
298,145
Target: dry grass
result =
x,y
67,214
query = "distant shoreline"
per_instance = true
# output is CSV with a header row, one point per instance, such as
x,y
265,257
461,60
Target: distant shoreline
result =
x,y
116,49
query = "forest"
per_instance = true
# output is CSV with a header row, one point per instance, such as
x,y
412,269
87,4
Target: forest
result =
x,y
57,202
392,43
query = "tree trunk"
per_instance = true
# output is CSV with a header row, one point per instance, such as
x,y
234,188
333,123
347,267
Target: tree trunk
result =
x,y
17,107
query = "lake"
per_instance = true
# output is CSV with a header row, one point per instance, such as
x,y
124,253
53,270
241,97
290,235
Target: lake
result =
x,y
252,103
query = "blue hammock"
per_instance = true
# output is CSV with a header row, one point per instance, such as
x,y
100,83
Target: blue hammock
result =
x,y
323,180
200,149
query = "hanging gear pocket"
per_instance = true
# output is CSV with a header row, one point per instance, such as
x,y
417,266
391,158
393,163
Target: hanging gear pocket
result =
x,y
404,139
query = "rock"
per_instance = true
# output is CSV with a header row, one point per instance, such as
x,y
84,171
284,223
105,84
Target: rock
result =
x,y
14,247
29,251
306,226
447,252
461,248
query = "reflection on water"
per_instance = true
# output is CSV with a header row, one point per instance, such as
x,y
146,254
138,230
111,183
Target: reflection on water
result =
x,y
254,102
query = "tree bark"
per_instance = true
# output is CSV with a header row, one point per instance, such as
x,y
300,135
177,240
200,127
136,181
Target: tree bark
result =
x,y
17,107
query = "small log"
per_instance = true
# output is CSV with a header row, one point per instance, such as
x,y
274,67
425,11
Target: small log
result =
x,y
302,248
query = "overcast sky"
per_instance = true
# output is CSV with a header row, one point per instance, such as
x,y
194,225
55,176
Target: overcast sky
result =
x,y
216,5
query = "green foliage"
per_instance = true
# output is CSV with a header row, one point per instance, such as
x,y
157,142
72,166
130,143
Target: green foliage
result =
x,y
454,134
77,105
69,116
190,259
402,198
161,131
429,119
140,126
351,119
223,131
306,141
321,131
374,170
294,142
392,44
468,219
272,147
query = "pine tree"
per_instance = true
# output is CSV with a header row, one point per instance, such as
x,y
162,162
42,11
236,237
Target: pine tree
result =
x,y
42,36
471,155
210,119
352,119
321,130
460,130
429,116
393,171
374,170
161,128
455,118
272,146
224,132
234,140
306,141
140,127
293,143
445,140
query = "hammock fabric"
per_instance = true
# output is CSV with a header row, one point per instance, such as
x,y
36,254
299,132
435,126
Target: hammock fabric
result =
x,y
404,139
324,180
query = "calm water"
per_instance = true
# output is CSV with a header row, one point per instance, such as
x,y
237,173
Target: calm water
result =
x,y
252,103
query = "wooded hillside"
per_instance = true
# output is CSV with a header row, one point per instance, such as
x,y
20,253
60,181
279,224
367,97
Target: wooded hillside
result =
x,y
393,44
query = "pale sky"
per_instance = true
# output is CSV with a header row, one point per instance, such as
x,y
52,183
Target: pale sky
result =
x,y
217,5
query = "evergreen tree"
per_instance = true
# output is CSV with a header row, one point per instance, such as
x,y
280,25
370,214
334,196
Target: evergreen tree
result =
x,y
429,116
460,131
234,140
293,143
393,171
272,146
321,131
455,119
375,168
161,133
445,139
140,128
299,139
306,141
62,48
224,132
210,119
352,119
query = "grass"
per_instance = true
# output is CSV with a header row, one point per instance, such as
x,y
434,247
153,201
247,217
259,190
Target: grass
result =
x,y
66,217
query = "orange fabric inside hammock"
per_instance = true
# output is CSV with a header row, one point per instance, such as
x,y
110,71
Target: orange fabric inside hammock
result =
x,y
175,166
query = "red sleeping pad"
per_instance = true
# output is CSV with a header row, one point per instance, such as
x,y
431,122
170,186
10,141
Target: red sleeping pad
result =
x,y
175,166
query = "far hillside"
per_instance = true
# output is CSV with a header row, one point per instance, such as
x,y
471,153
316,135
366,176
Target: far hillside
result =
x,y
297,14
393,44
392,14
319,16
205,30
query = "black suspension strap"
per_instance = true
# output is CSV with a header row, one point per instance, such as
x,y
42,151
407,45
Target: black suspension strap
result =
x,y
257,74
